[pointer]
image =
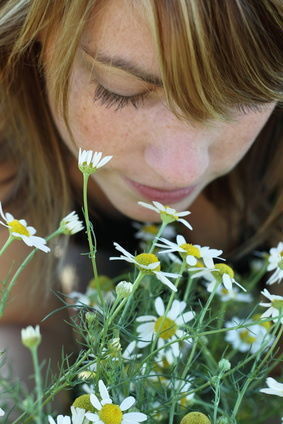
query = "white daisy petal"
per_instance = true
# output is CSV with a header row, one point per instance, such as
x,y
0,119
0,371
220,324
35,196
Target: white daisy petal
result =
x,y
134,417
95,402
127,403
159,306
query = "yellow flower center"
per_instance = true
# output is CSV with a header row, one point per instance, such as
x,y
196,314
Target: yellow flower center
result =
x,y
168,215
165,327
224,291
111,414
195,418
225,269
84,402
191,250
151,229
145,259
246,337
277,303
266,325
16,227
105,283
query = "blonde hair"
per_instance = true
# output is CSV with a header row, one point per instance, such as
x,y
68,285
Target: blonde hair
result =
x,y
213,54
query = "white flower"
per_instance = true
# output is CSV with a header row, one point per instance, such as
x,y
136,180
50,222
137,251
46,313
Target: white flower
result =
x,y
275,305
61,419
167,214
275,263
90,161
221,272
124,289
112,413
166,328
227,295
247,339
147,263
71,224
182,387
21,231
147,231
31,336
1,412
192,252
78,416
274,388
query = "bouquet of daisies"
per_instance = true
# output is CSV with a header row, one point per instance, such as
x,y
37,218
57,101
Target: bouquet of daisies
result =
x,y
180,338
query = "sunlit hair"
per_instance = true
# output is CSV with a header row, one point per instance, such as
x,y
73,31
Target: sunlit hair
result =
x,y
215,56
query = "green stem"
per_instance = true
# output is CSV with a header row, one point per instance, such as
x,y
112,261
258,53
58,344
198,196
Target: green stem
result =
x,y
253,370
38,384
160,231
18,272
7,243
92,248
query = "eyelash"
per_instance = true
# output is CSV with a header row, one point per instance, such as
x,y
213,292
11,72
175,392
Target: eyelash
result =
x,y
109,99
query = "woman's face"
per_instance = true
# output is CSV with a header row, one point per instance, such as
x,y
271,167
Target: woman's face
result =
x,y
155,155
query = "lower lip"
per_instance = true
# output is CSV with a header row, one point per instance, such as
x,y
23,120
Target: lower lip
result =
x,y
163,196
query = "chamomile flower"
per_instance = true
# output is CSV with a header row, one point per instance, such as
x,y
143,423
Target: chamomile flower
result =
x,y
247,339
227,295
191,252
220,272
148,231
275,307
166,327
147,263
31,336
78,416
90,161
110,413
19,230
1,412
275,263
71,224
167,214
274,388
181,387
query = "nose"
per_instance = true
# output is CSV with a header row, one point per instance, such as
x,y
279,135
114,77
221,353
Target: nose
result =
x,y
178,154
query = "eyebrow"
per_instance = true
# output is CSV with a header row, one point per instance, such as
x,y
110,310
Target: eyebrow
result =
x,y
125,65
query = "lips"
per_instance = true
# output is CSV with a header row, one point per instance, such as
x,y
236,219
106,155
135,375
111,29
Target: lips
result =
x,y
160,195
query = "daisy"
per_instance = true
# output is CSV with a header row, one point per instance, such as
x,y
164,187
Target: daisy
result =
x,y
19,230
78,416
220,272
71,224
148,231
247,339
191,252
31,336
167,214
227,295
90,161
275,305
165,327
147,263
109,413
274,388
275,263
182,387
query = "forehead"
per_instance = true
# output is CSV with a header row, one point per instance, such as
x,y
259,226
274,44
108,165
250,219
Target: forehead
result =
x,y
120,29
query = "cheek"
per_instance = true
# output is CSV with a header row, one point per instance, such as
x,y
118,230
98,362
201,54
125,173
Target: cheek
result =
x,y
235,141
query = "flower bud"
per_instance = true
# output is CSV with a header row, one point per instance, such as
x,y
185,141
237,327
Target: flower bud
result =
x,y
84,402
224,365
195,418
31,337
90,317
124,289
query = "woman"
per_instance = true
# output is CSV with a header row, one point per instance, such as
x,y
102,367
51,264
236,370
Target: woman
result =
x,y
185,96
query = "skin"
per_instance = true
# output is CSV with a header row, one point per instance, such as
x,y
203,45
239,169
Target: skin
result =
x,y
148,143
